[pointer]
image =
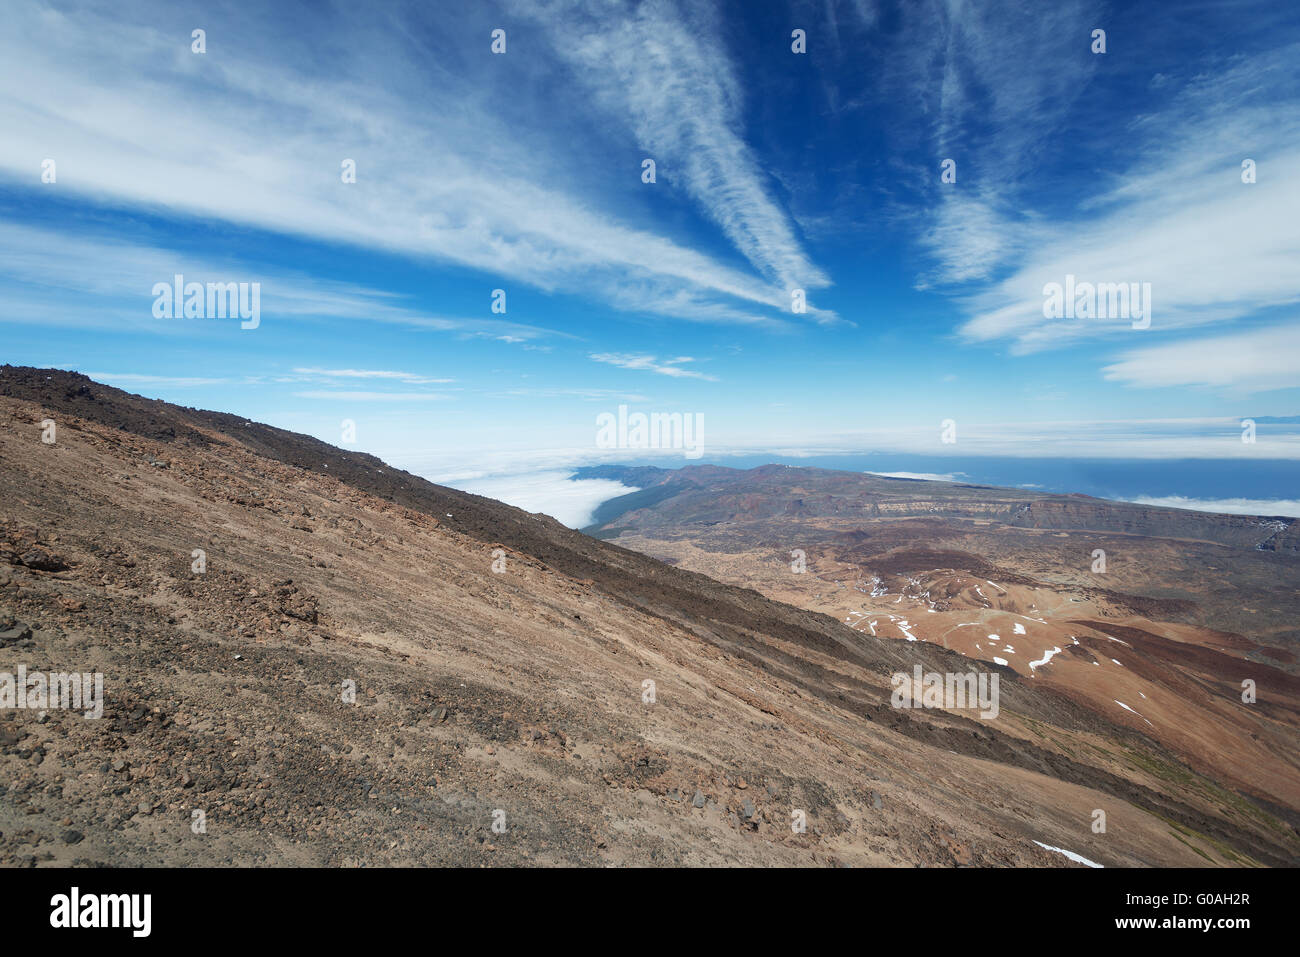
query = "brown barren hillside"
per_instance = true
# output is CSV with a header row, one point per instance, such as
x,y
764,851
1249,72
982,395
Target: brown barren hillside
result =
x,y
1159,636
518,696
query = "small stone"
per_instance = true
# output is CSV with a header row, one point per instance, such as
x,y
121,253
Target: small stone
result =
x,y
19,632
698,800
43,561
73,837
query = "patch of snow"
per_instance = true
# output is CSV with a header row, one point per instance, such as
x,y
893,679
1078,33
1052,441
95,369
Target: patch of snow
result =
x,y
1047,656
1127,708
1077,858
1000,661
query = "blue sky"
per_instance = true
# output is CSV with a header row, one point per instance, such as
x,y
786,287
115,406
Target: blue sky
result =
x,y
522,171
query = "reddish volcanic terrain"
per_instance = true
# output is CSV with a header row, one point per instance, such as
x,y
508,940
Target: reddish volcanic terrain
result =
x,y
1146,643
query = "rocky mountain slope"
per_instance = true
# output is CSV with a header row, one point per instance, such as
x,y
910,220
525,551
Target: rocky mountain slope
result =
x,y
311,658
1096,600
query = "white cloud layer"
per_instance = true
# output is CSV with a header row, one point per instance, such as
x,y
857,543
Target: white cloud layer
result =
x,y
926,476
570,502
1289,508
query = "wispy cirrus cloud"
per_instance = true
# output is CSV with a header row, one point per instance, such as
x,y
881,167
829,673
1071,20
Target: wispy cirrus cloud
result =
x,y
663,69
995,121
645,363
166,381
587,395
367,396
114,278
1179,217
1001,91
406,377
268,130
1241,362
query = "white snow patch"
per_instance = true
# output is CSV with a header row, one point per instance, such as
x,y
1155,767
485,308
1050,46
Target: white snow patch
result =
x,y
1047,656
1077,858
1127,708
